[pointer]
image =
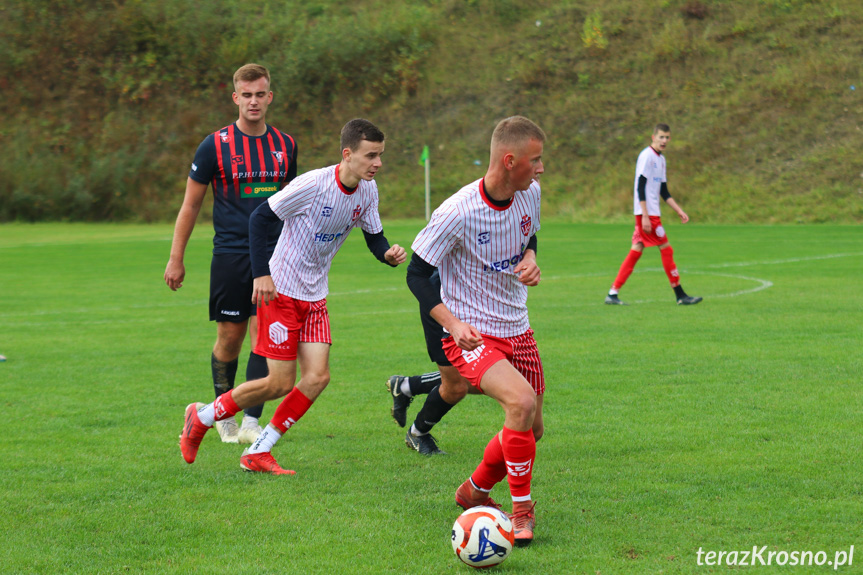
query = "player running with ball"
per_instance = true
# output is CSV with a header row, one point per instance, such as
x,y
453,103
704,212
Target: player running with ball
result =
x,y
319,210
478,240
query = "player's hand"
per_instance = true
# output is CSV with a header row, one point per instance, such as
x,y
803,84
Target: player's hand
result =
x,y
395,255
263,290
175,273
683,217
466,336
527,271
645,224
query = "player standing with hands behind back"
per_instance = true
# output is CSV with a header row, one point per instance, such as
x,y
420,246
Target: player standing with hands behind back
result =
x,y
478,241
246,162
650,185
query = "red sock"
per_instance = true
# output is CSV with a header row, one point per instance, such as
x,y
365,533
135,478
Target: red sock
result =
x,y
669,265
225,406
626,268
292,408
492,469
519,451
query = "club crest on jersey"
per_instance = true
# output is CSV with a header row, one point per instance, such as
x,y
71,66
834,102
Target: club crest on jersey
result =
x,y
356,213
236,160
326,212
279,156
225,137
483,238
525,224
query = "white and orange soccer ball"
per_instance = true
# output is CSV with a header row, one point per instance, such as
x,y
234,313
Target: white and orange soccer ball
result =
x,y
482,537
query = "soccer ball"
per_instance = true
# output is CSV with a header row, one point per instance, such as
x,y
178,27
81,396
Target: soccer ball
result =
x,y
482,537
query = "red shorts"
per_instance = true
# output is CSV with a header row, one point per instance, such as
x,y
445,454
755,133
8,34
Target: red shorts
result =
x,y
286,322
520,351
656,237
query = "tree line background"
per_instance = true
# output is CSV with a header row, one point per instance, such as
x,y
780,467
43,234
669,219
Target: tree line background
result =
x,y
104,103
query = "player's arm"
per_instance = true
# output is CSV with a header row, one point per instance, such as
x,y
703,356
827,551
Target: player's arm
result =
x,y
175,271
428,294
527,269
263,288
666,195
380,247
642,201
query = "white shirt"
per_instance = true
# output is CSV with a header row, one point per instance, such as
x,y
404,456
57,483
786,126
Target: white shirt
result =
x,y
319,213
475,245
651,165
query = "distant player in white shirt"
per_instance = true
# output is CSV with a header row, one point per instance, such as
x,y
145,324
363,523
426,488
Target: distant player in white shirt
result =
x,y
651,185
319,210
478,240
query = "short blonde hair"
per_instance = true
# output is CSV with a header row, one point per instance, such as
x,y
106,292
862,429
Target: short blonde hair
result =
x,y
250,73
515,131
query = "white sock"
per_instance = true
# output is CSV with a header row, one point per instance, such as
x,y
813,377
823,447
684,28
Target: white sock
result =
x,y
613,291
266,440
207,415
405,387
416,432
520,499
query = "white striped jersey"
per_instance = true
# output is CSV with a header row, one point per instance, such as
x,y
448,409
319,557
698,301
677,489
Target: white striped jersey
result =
x,y
319,213
651,165
475,245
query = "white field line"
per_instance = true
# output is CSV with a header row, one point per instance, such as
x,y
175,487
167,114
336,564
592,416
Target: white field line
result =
x,y
762,285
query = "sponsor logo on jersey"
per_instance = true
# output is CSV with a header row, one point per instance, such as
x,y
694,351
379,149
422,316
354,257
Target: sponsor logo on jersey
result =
x,y
326,212
525,224
356,213
229,312
518,469
224,136
502,265
483,238
194,167
325,238
259,189
278,333
236,160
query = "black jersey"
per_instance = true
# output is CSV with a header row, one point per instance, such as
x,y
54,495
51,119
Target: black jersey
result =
x,y
245,171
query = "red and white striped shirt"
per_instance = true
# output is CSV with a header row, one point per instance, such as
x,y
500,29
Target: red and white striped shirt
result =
x,y
475,245
319,213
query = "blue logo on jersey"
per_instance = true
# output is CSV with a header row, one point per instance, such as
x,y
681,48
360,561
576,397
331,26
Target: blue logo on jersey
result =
x,y
487,548
326,212
483,238
504,265
319,237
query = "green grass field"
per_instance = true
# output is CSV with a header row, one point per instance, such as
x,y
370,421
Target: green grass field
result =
x,y
728,425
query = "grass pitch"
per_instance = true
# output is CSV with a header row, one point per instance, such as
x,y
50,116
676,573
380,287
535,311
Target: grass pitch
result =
x,y
727,425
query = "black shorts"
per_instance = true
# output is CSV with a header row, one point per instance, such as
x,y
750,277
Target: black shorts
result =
x,y
434,332
231,288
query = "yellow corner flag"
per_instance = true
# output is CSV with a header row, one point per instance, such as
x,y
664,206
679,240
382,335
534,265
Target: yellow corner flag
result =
x,y
424,156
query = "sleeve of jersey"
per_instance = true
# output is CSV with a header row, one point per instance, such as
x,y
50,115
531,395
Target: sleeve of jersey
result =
x,y
294,198
439,236
370,221
663,191
420,283
204,165
292,169
259,224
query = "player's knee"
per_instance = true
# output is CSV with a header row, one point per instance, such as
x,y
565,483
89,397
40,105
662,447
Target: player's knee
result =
x,y
453,391
538,430
523,409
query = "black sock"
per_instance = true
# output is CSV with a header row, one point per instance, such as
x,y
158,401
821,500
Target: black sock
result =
x,y
678,291
256,369
432,411
224,373
423,384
